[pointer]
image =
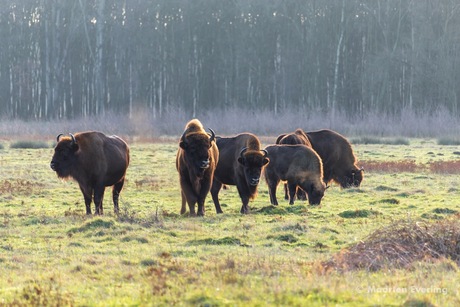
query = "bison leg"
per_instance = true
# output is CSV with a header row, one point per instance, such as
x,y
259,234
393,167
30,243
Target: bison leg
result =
x,y
204,190
272,191
116,195
98,198
183,208
188,195
244,193
286,192
292,192
87,195
215,189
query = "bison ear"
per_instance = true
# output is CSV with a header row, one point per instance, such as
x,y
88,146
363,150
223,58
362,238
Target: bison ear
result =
x,y
265,161
183,145
241,160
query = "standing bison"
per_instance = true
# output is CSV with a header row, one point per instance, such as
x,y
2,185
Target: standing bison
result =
x,y
196,161
297,137
299,166
95,161
240,163
339,161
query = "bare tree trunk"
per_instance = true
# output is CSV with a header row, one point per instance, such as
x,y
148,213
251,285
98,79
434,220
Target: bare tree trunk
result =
x,y
98,69
337,61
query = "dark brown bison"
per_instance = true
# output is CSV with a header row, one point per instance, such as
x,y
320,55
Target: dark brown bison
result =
x,y
297,137
294,138
339,161
300,166
196,161
95,161
240,163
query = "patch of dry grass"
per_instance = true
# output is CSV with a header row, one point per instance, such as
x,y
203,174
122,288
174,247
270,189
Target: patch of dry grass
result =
x,y
410,166
400,245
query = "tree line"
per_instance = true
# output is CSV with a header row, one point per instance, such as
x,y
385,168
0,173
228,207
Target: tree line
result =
x,y
71,59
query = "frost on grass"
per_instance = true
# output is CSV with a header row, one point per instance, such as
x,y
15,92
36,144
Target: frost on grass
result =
x,y
400,245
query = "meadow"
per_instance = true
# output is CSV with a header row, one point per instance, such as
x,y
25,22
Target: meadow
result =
x,y
52,254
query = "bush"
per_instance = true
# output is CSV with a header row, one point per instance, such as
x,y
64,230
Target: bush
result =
x,y
400,245
448,141
29,145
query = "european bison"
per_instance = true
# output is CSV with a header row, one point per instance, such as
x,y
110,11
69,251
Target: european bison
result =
x,y
95,161
339,161
299,166
240,163
294,138
196,162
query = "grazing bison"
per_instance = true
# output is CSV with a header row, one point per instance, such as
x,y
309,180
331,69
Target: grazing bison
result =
x,y
339,161
95,161
300,166
294,138
240,163
196,162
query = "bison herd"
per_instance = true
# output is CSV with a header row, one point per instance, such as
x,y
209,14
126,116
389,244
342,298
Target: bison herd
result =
x,y
307,162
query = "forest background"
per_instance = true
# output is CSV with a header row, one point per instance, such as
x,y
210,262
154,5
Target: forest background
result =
x,y
387,67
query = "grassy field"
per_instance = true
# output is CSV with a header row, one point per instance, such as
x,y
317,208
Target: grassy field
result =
x,y
52,254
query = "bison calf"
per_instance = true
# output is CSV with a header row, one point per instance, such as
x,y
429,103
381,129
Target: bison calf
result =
x,y
299,166
95,161
240,163
196,162
297,137
339,161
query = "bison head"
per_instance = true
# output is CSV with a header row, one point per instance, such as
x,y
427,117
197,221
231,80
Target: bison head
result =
x,y
352,179
64,155
315,193
253,162
196,146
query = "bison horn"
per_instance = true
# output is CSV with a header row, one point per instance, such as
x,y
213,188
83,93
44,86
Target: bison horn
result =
x,y
213,135
265,152
74,141
59,136
182,138
242,151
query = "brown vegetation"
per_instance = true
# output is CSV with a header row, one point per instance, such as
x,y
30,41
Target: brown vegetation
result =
x,y
400,245
410,166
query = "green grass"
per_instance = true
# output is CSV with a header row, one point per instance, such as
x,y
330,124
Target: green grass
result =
x,y
51,253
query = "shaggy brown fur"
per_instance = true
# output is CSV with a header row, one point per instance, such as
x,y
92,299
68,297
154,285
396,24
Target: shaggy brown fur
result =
x,y
339,161
300,166
294,138
240,163
196,161
95,161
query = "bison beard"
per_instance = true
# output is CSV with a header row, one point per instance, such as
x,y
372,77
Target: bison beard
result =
x,y
95,161
240,163
299,166
196,160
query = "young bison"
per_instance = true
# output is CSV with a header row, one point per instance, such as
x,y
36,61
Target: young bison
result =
x,y
299,166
